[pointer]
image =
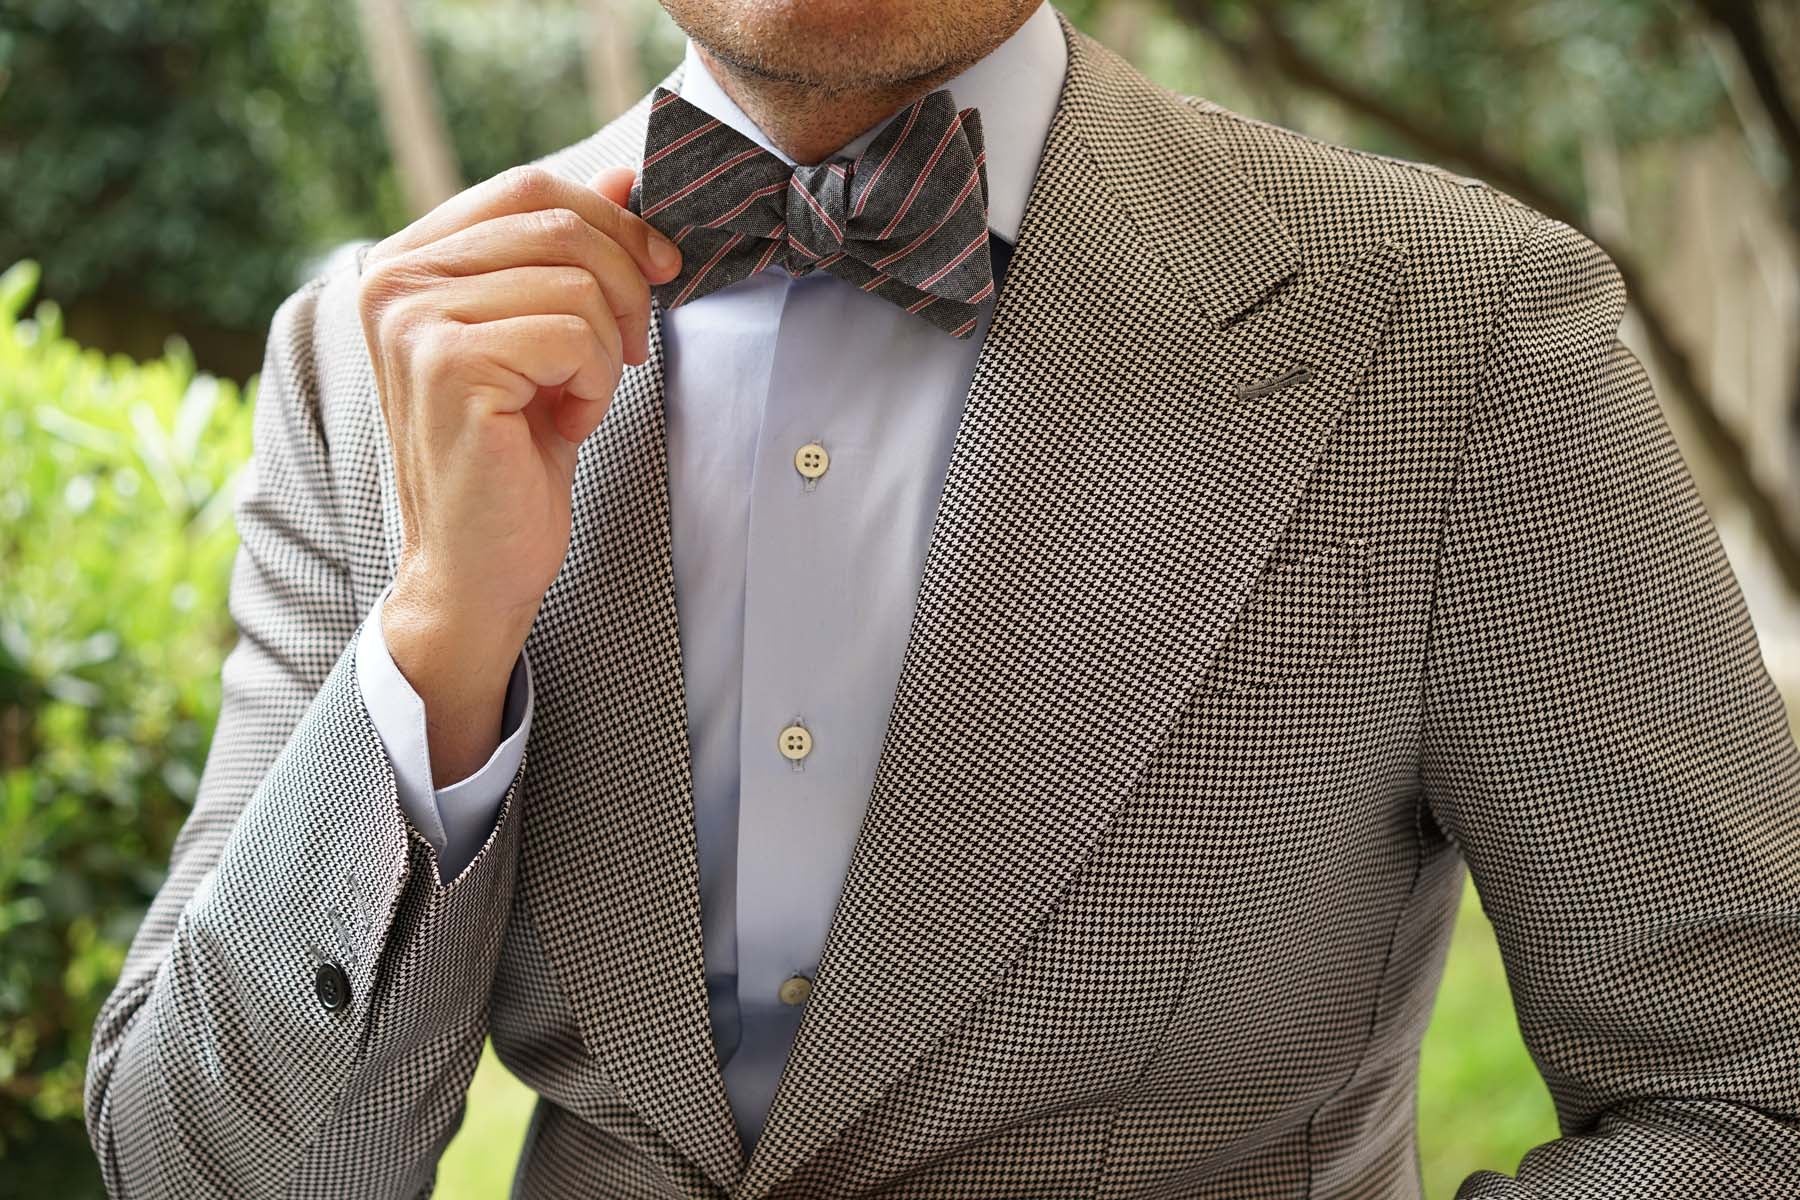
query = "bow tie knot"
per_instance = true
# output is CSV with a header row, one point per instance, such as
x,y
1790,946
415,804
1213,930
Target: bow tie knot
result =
x,y
906,220
813,234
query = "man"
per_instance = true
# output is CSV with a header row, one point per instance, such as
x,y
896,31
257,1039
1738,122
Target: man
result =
x,y
984,688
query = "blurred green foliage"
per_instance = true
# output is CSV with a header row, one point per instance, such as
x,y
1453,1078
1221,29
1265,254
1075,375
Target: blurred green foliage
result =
x,y
188,155
116,539
193,158
1546,87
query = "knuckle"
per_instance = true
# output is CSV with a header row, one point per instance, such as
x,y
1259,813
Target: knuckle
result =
x,y
438,338
388,284
574,328
375,289
526,185
410,325
579,283
435,356
562,228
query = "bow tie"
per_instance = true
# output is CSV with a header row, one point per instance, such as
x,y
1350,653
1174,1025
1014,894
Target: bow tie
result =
x,y
906,220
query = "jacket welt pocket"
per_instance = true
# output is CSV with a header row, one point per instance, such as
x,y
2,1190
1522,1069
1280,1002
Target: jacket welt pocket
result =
x,y
1302,615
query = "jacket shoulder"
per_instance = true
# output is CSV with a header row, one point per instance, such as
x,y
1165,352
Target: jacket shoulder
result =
x,y
1328,193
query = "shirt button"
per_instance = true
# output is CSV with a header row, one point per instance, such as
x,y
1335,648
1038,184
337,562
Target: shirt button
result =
x,y
795,990
795,742
811,460
331,986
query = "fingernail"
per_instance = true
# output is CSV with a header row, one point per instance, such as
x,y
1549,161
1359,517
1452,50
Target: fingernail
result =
x,y
664,253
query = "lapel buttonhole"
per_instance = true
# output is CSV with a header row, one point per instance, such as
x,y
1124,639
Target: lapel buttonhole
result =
x,y
1288,378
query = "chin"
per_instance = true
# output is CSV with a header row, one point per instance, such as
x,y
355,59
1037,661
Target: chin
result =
x,y
822,24
839,43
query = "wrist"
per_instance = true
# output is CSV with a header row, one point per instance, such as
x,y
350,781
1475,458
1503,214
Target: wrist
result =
x,y
463,638
459,664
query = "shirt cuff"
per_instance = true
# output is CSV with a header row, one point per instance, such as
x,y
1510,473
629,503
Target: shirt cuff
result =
x,y
457,818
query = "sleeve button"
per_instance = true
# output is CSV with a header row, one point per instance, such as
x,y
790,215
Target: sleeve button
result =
x,y
331,986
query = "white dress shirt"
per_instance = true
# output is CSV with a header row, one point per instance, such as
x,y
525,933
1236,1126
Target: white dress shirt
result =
x,y
794,588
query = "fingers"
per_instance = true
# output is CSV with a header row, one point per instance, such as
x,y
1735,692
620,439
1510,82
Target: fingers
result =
x,y
504,364
527,287
577,416
531,291
523,292
551,237
532,189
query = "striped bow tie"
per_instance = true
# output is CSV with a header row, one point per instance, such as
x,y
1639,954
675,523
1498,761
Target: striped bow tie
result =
x,y
905,220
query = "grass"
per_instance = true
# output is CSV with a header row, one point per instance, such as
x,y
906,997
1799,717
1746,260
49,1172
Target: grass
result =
x,y
478,1165
1481,1102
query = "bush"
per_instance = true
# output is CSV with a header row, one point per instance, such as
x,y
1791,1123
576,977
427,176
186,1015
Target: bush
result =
x,y
191,159
116,542
185,158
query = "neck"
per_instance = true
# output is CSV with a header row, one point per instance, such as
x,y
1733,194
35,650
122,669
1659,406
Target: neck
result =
x,y
808,122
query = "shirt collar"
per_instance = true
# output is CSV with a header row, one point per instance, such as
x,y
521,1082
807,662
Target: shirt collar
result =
x,y
1015,88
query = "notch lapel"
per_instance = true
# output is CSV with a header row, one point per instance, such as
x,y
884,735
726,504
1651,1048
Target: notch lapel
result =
x,y
1109,502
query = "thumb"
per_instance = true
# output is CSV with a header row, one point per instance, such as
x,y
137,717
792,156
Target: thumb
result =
x,y
615,184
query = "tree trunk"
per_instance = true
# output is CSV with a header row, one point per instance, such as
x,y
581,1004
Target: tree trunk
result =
x,y
614,82
416,134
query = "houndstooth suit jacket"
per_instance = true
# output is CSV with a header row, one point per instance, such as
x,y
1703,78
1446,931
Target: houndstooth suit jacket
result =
x,y
1308,535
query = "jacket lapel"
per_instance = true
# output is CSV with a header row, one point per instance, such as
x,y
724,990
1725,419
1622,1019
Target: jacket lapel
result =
x,y
611,875
610,878
1108,505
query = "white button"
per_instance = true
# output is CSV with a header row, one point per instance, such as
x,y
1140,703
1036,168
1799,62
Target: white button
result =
x,y
811,460
795,742
795,990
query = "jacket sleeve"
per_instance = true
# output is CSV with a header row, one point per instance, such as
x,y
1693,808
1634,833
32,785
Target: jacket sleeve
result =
x,y
1604,744
230,1060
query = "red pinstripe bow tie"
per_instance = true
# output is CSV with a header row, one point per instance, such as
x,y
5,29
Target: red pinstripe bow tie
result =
x,y
905,220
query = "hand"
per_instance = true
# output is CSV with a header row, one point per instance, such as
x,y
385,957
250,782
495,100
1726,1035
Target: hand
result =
x,y
498,325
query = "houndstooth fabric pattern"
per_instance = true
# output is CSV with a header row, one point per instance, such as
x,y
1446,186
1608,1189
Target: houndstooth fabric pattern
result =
x,y
1308,536
905,220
